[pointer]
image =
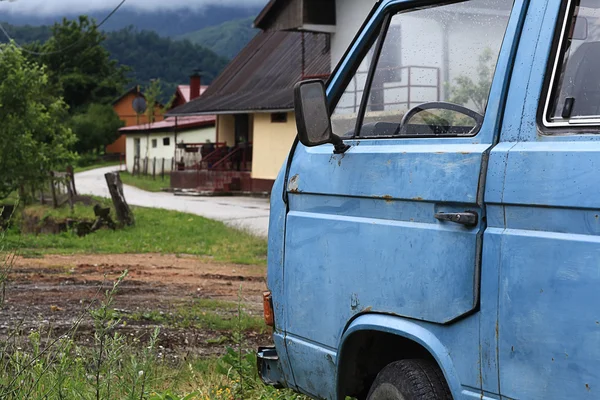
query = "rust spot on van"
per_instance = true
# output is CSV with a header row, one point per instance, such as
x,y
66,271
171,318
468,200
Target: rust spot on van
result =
x,y
294,185
417,198
440,152
368,309
388,198
465,152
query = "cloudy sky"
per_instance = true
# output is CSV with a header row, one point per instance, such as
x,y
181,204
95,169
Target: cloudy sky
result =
x,y
52,7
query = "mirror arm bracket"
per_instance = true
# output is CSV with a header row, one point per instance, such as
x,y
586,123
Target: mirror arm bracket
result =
x,y
339,146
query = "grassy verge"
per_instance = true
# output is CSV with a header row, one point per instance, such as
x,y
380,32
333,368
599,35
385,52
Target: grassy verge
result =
x,y
146,182
111,366
156,231
96,166
205,314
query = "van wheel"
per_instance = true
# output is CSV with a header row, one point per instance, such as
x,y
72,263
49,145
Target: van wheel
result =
x,y
410,380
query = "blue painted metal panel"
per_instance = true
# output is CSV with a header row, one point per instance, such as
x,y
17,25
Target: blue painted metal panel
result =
x,y
392,170
492,248
494,185
549,318
548,335
559,174
275,275
284,361
276,249
418,270
318,380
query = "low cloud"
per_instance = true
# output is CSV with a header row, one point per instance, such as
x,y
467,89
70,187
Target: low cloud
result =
x,y
59,7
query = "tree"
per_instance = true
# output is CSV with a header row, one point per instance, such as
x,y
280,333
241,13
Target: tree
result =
x,y
80,66
33,137
466,91
96,128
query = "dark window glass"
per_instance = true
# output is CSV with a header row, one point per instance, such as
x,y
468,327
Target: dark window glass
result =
x,y
575,92
279,118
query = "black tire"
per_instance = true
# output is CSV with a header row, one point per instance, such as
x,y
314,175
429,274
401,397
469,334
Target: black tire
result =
x,y
410,380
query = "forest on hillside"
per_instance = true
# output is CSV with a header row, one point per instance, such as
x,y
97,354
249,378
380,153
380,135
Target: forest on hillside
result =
x,y
148,55
227,39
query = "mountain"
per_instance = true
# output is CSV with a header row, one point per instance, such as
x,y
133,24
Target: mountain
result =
x,y
226,39
149,55
165,23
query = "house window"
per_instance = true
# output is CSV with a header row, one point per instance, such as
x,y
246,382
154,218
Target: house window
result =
x,y
154,143
166,141
279,118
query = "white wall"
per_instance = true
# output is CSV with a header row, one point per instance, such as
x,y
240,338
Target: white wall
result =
x,y
198,135
161,151
350,16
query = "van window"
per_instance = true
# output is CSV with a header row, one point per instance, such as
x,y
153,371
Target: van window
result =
x,y
434,70
574,97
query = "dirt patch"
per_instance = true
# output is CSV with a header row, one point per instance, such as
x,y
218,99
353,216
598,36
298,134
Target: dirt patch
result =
x,y
54,291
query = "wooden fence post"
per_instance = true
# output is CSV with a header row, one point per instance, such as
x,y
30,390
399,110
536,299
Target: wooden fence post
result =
x,y
115,187
71,173
163,169
53,190
154,168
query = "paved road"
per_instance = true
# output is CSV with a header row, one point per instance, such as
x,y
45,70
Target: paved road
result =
x,y
239,212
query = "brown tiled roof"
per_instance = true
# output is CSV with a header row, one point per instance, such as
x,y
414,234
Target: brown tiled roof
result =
x,y
263,75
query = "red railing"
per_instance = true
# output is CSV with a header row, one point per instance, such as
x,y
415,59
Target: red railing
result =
x,y
237,159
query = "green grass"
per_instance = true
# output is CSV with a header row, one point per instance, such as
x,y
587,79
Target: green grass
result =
x,y
156,231
80,211
147,183
205,314
97,165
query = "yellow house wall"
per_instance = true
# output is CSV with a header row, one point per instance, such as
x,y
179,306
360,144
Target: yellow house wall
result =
x,y
272,144
226,129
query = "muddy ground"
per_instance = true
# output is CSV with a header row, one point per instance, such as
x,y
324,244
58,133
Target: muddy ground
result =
x,y
54,291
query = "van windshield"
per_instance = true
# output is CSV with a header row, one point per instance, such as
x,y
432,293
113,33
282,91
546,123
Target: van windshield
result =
x,y
435,71
575,97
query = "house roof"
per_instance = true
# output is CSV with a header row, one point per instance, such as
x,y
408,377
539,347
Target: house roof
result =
x,y
297,15
264,13
134,90
185,91
169,124
263,75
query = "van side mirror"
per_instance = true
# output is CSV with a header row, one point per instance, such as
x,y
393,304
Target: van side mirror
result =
x,y
312,116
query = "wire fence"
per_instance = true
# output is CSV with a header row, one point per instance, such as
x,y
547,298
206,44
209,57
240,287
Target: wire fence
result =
x,y
155,167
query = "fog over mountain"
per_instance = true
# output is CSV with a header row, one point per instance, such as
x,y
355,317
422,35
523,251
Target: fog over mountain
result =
x,y
166,17
63,7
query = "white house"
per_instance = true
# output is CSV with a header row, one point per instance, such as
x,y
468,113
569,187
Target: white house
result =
x,y
174,140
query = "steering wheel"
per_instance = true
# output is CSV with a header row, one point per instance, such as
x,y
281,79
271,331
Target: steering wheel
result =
x,y
438,105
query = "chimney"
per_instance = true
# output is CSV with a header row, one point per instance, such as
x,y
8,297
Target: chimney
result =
x,y
195,85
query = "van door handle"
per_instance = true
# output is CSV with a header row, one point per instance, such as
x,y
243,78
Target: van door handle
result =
x,y
468,218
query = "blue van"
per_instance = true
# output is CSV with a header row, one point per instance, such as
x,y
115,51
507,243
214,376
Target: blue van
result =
x,y
435,233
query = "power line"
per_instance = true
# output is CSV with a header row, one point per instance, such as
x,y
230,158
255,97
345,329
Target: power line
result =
x,y
35,53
